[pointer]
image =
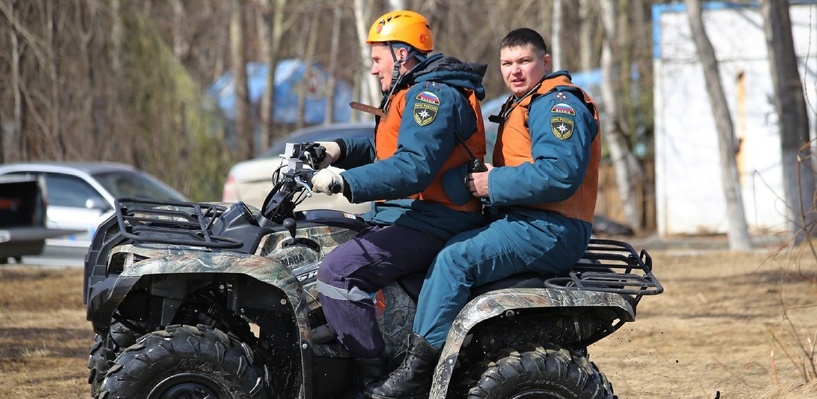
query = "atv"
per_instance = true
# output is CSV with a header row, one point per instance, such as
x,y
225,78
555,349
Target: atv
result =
x,y
211,300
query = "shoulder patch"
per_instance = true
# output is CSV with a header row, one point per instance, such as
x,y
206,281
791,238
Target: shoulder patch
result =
x,y
562,108
424,113
428,97
562,127
560,96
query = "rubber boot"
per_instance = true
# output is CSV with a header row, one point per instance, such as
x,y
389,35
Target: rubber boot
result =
x,y
371,370
412,380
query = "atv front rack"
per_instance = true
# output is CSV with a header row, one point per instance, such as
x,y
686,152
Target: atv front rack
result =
x,y
611,266
170,222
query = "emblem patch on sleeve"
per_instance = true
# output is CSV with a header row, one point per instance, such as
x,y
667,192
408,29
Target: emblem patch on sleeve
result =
x,y
560,96
424,113
561,127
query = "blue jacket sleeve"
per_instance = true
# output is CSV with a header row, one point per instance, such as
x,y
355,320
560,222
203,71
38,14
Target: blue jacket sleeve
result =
x,y
559,159
426,139
356,152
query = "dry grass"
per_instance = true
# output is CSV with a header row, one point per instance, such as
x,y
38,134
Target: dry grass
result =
x,y
44,337
737,325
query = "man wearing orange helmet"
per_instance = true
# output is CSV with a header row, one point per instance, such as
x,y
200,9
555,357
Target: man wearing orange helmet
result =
x,y
429,127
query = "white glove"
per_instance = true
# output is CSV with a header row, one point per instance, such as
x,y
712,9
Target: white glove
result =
x,y
326,180
332,153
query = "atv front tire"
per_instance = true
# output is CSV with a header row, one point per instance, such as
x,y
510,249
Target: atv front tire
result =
x,y
547,371
104,351
186,362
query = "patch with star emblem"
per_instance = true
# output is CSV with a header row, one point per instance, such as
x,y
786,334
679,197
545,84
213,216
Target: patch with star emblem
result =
x,y
560,96
562,108
428,97
424,113
561,127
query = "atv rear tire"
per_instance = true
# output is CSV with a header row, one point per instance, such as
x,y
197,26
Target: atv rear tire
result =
x,y
186,362
547,371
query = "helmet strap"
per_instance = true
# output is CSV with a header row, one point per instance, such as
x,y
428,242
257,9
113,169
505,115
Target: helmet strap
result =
x,y
395,73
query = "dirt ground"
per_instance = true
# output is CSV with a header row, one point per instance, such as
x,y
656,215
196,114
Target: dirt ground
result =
x,y
729,325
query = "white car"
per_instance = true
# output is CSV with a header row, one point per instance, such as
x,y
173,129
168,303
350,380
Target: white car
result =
x,y
250,181
80,196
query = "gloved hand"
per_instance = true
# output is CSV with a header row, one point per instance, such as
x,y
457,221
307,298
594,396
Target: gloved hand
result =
x,y
328,181
332,153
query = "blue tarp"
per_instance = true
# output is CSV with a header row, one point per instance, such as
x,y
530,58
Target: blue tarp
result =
x,y
288,76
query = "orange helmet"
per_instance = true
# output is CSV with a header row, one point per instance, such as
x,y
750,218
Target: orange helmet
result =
x,y
402,26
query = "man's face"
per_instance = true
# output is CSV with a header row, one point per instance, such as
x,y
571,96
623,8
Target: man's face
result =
x,y
522,68
383,63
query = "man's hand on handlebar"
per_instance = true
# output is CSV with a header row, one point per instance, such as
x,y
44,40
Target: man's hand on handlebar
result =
x,y
331,153
328,181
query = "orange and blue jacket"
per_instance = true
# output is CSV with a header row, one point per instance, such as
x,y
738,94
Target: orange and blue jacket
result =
x,y
549,149
414,164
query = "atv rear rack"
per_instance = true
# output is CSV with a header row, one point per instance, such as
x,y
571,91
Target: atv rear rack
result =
x,y
611,266
171,222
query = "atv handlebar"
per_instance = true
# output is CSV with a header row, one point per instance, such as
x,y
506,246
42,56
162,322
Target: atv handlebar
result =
x,y
292,182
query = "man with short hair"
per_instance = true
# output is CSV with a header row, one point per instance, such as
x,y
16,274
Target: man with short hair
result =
x,y
540,198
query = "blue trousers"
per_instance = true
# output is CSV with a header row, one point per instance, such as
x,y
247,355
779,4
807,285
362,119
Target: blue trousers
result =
x,y
514,243
353,271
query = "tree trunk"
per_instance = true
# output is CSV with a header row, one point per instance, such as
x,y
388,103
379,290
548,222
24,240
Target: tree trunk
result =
x,y
243,130
586,25
309,58
271,29
370,86
792,117
332,67
624,163
18,148
556,37
56,138
738,229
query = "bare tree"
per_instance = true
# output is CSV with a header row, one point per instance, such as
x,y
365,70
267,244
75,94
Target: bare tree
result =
x,y
626,167
308,56
586,25
738,230
243,129
271,27
792,117
337,15
370,88
555,36
14,138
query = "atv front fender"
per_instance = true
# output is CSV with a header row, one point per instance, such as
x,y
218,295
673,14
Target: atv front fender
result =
x,y
496,303
107,295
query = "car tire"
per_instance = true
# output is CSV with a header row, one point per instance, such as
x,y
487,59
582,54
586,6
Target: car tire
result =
x,y
547,371
185,361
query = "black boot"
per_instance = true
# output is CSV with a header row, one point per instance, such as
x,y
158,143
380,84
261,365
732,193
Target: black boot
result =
x,y
371,370
412,380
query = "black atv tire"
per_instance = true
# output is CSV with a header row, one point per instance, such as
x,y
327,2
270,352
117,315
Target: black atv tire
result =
x,y
104,351
547,371
186,362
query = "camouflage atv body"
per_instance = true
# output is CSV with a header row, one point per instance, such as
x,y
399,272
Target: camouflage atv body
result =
x,y
209,300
